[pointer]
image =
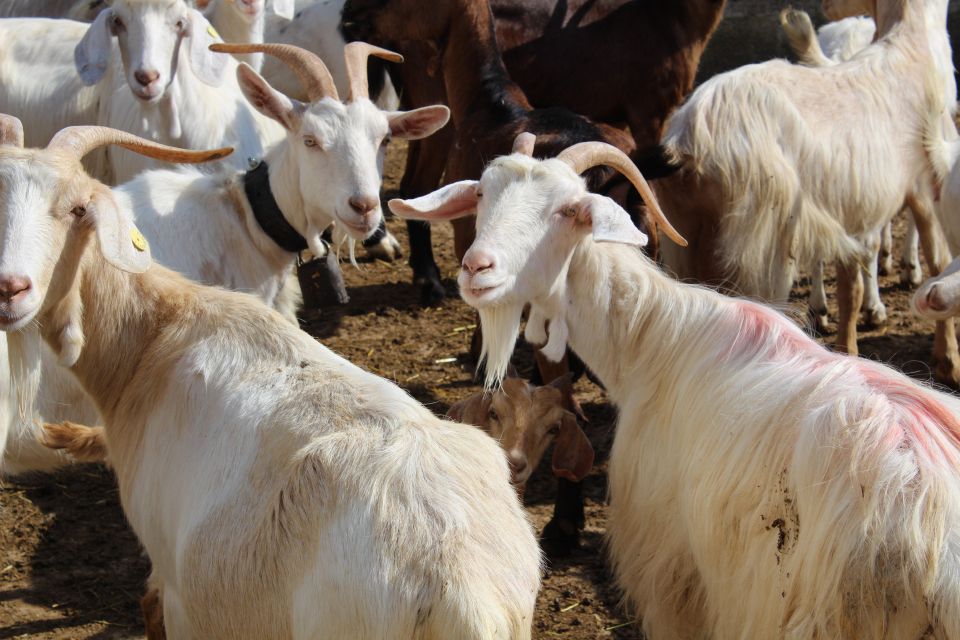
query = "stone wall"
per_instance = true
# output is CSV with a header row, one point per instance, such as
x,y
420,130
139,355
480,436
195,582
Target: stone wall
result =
x,y
750,32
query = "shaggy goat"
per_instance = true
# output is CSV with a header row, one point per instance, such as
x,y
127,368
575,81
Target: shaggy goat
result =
x,y
782,165
279,490
760,485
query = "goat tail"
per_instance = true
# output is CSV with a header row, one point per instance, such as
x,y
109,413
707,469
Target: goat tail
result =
x,y
942,153
85,444
657,161
802,38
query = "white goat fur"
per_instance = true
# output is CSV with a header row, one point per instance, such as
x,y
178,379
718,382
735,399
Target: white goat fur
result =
x,y
342,506
806,159
760,485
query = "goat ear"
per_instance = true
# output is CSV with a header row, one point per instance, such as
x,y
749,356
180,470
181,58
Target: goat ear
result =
x,y
572,451
11,131
608,221
121,243
284,8
446,203
419,123
472,410
209,66
91,56
267,100
562,383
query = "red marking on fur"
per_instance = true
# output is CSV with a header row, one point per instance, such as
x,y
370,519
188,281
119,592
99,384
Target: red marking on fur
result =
x,y
762,328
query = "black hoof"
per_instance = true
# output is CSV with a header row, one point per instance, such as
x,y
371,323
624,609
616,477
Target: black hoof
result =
x,y
432,292
560,538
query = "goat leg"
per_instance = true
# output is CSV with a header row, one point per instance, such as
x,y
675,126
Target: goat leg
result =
x,y
849,301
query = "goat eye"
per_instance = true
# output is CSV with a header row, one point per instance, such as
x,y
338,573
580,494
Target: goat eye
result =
x,y
555,429
493,416
310,142
568,212
385,141
479,194
79,211
117,23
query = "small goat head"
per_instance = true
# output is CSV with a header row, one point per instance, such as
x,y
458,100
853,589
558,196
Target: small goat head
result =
x,y
525,419
531,214
336,145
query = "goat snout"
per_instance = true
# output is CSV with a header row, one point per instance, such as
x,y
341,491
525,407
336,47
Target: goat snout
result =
x,y
363,205
517,462
146,78
14,288
935,300
476,261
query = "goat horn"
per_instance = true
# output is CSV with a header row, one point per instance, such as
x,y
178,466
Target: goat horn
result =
x,y
587,155
524,143
356,54
79,141
11,131
311,70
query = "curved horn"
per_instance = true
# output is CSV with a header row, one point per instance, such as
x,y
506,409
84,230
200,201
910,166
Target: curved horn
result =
x,y
524,143
586,155
311,70
11,131
79,141
356,54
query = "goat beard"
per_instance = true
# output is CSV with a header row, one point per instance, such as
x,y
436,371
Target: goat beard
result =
x,y
25,353
501,326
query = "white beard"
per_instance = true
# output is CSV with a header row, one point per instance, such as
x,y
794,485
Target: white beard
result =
x,y
501,326
24,353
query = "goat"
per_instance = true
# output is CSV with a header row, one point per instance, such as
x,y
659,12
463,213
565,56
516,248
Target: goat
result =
x,y
761,486
525,419
344,508
537,54
488,110
246,230
832,154
840,41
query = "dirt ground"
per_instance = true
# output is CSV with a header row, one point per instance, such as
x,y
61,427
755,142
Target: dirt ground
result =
x,y
71,568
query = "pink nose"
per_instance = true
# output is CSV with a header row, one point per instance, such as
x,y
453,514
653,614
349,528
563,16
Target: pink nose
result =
x,y
476,261
935,301
14,288
146,77
517,462
362,205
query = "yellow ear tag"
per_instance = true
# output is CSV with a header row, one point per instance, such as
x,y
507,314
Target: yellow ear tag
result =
x,y
139,242
213,32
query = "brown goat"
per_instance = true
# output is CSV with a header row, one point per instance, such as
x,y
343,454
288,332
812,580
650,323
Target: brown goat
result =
x,y
524,419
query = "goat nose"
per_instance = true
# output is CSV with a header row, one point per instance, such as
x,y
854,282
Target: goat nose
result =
x,y
517,462
146,77
477,261
14,287
362,205
935,299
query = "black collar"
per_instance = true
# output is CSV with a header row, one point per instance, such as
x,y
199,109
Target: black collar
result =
x,y
256,184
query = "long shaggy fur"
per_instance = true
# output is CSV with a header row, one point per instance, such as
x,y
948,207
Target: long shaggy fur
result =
x,y
808,160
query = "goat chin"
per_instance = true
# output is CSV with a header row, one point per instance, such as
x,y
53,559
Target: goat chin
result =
x,y
501,326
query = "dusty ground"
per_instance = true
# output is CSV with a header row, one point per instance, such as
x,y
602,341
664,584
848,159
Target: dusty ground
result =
x,y
71,568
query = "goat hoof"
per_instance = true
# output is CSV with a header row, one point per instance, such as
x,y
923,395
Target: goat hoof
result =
x,y
873,318
885,265
432,292
560,538
388,249
911,276
947,372
819,322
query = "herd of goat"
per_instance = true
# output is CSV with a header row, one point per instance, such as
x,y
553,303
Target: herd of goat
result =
x,y
760,485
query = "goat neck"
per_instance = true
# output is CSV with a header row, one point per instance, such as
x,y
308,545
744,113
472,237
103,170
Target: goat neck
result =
x,y
473,71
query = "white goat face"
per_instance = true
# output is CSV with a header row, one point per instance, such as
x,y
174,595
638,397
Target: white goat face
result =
x,y
32,229
48,208
249,10
155,37
149,34
339,153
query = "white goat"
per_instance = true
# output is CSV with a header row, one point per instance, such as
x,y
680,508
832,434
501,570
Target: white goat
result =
x,y
837,42
206,227
761,486
279,490
783,165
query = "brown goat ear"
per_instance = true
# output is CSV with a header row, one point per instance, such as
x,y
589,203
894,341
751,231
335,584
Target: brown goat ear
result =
x,y
572,451
472,410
